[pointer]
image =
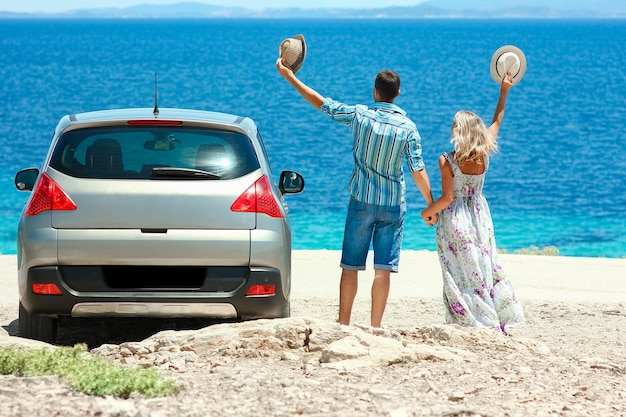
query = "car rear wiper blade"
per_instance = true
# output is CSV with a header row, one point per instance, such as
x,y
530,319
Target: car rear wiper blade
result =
x,y
183,173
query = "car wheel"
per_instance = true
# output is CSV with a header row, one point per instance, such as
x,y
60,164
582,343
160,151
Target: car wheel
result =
x,y
287,310
34,326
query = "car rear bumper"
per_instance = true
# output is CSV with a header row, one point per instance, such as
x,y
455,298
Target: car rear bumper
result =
x,y
154,309
220,293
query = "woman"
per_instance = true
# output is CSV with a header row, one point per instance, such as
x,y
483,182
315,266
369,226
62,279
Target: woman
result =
x,y
476,290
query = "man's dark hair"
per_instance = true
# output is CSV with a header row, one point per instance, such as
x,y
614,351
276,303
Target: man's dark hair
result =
x,y
388,85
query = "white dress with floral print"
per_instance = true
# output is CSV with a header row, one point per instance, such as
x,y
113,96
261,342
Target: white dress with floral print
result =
x,y
476,291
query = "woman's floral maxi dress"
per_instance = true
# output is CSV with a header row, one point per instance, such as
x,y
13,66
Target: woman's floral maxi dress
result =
x,y
476,291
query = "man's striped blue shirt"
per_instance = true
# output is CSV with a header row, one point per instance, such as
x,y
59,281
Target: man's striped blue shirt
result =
x,y
383,137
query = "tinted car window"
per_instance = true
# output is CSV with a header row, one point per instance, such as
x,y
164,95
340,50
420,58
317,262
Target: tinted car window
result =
x,y
139,152
263,147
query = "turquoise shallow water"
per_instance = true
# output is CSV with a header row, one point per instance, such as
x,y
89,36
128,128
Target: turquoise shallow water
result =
x,y
558,180
574,236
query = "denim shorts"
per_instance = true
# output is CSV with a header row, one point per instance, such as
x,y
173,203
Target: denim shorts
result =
x,y
377,225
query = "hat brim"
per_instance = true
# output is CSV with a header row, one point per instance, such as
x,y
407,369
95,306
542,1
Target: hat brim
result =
x,y
300,60
495,70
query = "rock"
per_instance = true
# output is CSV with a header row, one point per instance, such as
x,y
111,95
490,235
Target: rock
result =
x,y
346,348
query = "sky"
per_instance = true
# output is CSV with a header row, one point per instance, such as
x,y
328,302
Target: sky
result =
x,y
52,6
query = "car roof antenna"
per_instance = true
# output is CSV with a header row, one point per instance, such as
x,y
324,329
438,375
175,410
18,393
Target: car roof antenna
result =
x,y
156,98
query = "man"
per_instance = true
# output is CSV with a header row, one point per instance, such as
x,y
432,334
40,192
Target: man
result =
x,y
382,137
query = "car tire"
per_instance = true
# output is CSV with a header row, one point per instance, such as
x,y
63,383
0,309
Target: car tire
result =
x,y
287,310
34,326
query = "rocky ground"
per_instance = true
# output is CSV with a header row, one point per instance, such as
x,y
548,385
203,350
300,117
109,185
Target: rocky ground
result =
x,y
570,360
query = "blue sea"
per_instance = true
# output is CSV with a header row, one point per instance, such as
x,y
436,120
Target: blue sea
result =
x,y
558,180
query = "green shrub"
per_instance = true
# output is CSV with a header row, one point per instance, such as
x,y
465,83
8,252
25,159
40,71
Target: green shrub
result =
x,y
87,373
534,250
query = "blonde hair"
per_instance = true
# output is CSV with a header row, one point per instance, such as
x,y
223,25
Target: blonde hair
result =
x,y
471,138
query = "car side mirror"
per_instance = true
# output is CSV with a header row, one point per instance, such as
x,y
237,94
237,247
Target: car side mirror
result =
x,y
291,182
26,178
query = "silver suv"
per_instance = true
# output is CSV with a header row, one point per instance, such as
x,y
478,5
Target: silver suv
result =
x,y
165,213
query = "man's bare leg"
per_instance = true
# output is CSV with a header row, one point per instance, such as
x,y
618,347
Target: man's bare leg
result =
x,y
347,291
380,292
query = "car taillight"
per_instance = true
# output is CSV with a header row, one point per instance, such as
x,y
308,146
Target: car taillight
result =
x,y
154,122
48,196
261,290
258,199
46,289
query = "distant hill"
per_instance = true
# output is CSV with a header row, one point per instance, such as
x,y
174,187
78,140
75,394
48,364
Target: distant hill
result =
x,y
429,9
606,7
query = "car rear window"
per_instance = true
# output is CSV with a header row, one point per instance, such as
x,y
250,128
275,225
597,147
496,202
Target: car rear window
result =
x,y
154,153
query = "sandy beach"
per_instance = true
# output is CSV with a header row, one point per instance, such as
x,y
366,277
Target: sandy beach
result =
x,y
569,360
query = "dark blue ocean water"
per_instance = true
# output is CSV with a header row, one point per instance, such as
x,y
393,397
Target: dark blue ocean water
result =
x,y
559,178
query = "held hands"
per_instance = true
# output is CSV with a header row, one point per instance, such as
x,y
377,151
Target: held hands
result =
x,y
431,220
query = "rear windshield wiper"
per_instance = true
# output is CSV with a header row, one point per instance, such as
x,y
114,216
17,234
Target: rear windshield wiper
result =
x,y
183,173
